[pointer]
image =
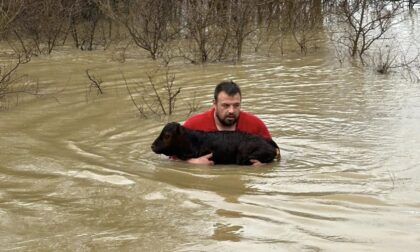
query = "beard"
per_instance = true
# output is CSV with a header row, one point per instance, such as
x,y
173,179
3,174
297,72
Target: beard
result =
x,y
228,120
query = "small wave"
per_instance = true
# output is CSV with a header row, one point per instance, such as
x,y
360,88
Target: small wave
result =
x,y
155,196
112,179
78,150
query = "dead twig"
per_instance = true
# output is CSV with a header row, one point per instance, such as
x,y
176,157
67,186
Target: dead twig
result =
x,y
139,108
157,96
94,82
194,105
170,79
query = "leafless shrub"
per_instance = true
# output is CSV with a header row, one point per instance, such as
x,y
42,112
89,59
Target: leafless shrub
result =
x,y
276,42
193,105
416,75
241,24
411,3
341,53
357,25
140,106
147,22
7,73
198,31
120,52
206,31
300,20
211,31
390,56
89,26
157,96
9,10
385,59
409,62
11,83
38,26
258,38
305,23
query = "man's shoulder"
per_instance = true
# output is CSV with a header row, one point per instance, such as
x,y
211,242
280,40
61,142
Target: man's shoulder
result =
x,y
252,124
200,121
199,117
249,117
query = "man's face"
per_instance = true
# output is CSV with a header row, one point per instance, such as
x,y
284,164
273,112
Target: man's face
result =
x,y
227,108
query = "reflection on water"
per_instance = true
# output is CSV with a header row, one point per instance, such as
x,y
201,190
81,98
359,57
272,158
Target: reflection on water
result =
x,y
78,173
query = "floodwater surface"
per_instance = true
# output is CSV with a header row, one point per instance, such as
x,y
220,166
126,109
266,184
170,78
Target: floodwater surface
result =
x,y
77,172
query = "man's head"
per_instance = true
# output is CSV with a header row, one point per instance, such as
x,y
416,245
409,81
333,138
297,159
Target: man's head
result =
x,y
227,102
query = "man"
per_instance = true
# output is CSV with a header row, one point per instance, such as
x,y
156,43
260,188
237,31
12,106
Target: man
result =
x,y
226,114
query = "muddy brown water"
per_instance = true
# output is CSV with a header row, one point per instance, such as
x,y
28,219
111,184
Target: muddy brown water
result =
x,y
77,172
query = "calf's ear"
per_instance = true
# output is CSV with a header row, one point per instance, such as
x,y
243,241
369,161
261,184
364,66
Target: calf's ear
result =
x,y
180,129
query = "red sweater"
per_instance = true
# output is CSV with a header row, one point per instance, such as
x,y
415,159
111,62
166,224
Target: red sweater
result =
x,y
247,122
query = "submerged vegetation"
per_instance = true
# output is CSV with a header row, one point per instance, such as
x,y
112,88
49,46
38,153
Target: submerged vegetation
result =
x,y
204,31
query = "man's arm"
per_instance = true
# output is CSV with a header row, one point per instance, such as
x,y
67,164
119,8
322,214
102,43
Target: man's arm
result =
x,y
204,122
266,134
278,156
203,160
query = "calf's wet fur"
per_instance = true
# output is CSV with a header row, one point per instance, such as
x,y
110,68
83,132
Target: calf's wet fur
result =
x,y
228,147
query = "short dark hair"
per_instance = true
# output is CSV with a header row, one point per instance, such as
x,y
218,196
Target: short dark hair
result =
x,y
229,87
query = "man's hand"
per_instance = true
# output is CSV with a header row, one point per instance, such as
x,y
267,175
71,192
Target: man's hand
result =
x,y
203,160
278,156
255,162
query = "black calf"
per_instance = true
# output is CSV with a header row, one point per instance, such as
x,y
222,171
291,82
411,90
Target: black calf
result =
x,y
228,147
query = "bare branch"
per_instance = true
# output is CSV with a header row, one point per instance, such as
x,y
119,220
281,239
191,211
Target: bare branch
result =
x,y
94,82
139,108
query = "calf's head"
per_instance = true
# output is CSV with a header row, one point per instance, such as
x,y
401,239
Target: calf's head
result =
x,y
169,139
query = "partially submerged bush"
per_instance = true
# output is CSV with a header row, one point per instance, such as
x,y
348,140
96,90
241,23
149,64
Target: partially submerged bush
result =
x,y
157,96
11,83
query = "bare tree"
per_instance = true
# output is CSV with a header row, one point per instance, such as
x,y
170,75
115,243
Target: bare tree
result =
x,y
207,27
411,3
305,23
147,22
385,58
241,23
360,23
9,79
86,19
391,56
200,19
39,26
9,10
193,105
158,95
